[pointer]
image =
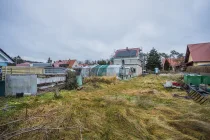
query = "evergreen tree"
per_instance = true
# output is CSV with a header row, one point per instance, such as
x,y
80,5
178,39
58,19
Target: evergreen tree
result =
x,y
102,62
174,54
153,60
49,60
166,65
87,62
18,60
164,55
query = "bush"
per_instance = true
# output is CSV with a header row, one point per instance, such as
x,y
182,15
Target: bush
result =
x,y
71,81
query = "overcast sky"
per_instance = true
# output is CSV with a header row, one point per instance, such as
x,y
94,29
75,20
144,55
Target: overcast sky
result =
x,y
93,29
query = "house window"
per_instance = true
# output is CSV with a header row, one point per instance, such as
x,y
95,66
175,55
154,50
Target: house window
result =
x,y
133,70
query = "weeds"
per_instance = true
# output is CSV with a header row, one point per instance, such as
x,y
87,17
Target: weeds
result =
x,y
137,109
144,102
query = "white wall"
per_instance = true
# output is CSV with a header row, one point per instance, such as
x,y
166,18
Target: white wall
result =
x,y
130,62
75,64
138,69
4,58
134,61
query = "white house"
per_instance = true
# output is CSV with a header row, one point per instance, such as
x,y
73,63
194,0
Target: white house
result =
x,y
5,58
129,57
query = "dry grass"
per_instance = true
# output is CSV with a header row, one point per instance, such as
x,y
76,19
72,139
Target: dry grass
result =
x,y
136,109
104,79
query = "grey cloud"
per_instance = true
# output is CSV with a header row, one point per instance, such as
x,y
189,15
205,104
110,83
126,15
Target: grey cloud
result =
x,y
94,29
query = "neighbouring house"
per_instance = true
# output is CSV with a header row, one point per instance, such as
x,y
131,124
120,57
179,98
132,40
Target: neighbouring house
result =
x,y
5,58
28,64
174,63
66,63
129,57
25,64
197,54
43,65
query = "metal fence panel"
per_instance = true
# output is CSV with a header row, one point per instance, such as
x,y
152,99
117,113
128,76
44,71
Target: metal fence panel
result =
x,y
49,70
20,84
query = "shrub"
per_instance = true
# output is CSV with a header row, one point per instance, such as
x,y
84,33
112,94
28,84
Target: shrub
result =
x,y
71,81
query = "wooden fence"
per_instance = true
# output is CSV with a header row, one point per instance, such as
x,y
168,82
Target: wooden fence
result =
x,y
198,69
31,70
21,70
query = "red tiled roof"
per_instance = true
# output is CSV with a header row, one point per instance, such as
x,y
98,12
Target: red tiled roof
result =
x,y
57,63
199,52
172,61
70,62
26,64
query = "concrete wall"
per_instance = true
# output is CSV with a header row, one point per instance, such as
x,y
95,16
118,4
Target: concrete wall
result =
x,y
51,79
20,84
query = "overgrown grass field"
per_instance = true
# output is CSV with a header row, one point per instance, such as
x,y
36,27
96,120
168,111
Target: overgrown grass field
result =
x,y
107,109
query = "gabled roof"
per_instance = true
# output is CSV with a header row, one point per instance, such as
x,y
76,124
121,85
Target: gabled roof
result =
x,y
199,52
173,61
10,60
69,62
128,52
57,63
